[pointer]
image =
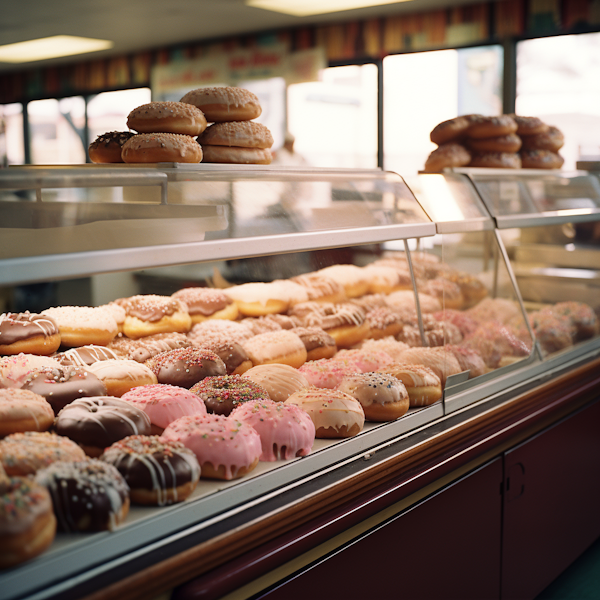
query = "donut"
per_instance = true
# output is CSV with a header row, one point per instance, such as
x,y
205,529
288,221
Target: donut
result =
x,y
207,303
241,134
320,288
495,342
529,125
285,430
186,366
496,160
270,323
473,290
225,448
495,309
405,299
389,345
118,312
232,353
221,394
144,348
23,410
370,302
63,384
87,495
279,381
167,117
582,317
164,404
97,422
258,299
363,360
120,375
282,346
553,331
27,521
149,314
84,355
468,359
552,140
382,396
293,291
384,322
217,328
384,279
437,333
334,413
503,143
464,322
438,359
447,156
83,325
26,453
106,148
161,148
422,384
29,333
447,292
318,343
450,130
354,279
224,103
489,127
326,372
158,471
541,159
236,155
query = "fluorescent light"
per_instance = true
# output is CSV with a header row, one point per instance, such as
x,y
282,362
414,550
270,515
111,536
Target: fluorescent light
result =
x,y
304,8
50,47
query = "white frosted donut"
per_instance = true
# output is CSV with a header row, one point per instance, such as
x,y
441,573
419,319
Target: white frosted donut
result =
x,y
84,325
225,103
236,155
389,345
353,278
321,288
121,375
243,134
384,279
167,117
421,383
280,381
161,147
258,299
406,299
281,346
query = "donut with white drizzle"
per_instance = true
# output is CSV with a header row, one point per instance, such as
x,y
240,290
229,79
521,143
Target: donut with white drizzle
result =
x,y
28,332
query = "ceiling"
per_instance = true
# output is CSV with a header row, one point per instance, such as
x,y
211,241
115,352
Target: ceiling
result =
x,y
135,25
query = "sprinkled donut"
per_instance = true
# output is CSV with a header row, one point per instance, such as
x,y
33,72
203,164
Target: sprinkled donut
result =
x,y
384,322
83,325
14,369
207,303
282,346
394,348
318,343
162,147
148,346
279,381
23,410
422,384
326,372
167,117
219,328
28,332
363,360
106,148
220,104
120,375
232,353
157,471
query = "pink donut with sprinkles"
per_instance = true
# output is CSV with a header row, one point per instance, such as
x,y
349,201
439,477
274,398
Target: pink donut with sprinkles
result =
x,y
325,373
364,360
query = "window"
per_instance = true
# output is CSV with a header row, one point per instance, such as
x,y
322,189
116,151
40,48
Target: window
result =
x,y
12,151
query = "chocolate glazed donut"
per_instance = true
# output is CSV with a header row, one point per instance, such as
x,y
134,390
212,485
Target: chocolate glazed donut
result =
x,y
186,366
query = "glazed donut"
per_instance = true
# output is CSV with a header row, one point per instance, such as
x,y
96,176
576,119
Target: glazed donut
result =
x,y
293,291
160,148
236,155
354,279
96,423
325,373
220,104
259,299
321,288
186,366
422,384
87,495
552,140
384,322
541,159
23,410
120,375
148,314
382,396
26,453
83,325
334,413
207,303
63,384
232,353
27,521
217,328
282,346
318,343
496,160
106,148
225,448
167,117
28,332
504,143
529,125
450,130
84,355
438,359
489,127
384,279
285,430
582,317
241,134
224,393
279,381
164,404
157,471
144,348
447,156
363,360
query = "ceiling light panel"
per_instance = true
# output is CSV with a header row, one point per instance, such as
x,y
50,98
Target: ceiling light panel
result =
x,y
50,47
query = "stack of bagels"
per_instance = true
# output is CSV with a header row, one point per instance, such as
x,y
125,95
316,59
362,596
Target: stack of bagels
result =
x,y
504,141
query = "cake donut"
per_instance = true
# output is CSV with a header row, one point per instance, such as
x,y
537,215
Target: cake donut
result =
x,y
217,329
286,431
160,148
186,366
334,413
225,103
167,117
84,355
382,396
27,332
207,303
318,343
504,143
96,423
144,348
450,130
552,140
282,346
120,375
326,372
422,384
83,325
61,385
23,410
447,156
232,353
241,134
87,495
354,279
158,471
164,404
258,299
106,148
222,394
541,159
279,381
225,448
489,127
26,453
496,160
149,314
320,288
27,521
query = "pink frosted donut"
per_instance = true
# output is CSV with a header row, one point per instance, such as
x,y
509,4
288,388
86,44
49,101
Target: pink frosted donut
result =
x,y
164,404
326,372
389,345
225,448
14,369
285,431
364,360
237,332
280,381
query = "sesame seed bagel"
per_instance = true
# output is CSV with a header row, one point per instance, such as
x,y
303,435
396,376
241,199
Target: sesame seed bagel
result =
x,y
161,147
225,103
237,155
244,134
167,117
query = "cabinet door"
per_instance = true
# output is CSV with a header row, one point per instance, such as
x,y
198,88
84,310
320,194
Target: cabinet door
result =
x,y
552,495
447,546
